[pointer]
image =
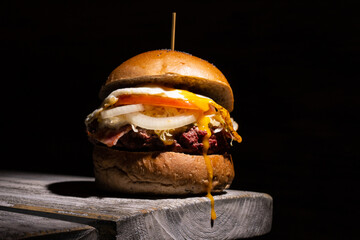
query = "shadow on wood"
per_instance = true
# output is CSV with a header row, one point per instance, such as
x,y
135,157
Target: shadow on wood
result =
x,y
84,189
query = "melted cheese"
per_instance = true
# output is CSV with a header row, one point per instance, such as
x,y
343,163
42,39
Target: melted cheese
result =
x,y
198,100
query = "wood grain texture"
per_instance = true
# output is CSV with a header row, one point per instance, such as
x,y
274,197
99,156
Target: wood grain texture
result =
x,y
240,214
21,226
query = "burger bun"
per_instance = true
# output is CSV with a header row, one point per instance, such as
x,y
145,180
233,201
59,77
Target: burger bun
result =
x,y
160,173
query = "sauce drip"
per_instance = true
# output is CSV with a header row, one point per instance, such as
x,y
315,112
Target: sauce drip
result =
x,y
203,124
203,103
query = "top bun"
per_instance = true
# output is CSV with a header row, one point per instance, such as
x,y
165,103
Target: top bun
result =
x,y
172,69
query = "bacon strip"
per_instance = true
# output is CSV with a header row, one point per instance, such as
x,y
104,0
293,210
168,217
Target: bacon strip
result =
x,y
110,138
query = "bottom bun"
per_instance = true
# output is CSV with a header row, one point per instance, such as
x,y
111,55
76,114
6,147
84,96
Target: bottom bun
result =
x,y
159,172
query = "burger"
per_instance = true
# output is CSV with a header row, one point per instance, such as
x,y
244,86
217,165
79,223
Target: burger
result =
x,y
164,127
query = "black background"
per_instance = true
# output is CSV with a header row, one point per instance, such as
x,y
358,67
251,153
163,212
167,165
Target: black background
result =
x,y
293,66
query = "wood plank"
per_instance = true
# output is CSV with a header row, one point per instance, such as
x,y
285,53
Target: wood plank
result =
x,y
240,214
22,226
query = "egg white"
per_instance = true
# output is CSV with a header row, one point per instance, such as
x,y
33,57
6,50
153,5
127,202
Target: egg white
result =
x,y
148,90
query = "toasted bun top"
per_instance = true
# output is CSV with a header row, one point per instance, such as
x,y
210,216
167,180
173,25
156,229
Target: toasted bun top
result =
x,y
172,69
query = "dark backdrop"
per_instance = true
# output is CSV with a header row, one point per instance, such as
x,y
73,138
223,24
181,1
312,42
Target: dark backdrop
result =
x,y
292,65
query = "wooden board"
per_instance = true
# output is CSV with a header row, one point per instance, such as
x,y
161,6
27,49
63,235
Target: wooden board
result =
x,y
240,214
20,226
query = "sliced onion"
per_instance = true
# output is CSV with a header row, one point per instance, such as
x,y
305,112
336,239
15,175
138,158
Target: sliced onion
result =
x,y
235,124
114,122
156,123
219,129
122,110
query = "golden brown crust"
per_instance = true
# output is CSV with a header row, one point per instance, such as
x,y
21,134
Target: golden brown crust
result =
x,y
159,172
173,69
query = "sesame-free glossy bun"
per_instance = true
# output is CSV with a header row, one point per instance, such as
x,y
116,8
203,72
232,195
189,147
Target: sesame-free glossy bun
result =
x,y
172,69
161,173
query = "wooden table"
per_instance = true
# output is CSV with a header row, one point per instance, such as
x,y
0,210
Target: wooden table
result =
x,y
19,226
77,206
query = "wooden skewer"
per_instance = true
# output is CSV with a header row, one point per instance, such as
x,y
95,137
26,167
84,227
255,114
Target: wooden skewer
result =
x,y
173,31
